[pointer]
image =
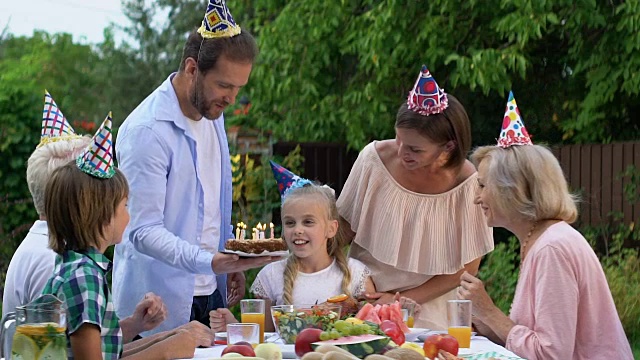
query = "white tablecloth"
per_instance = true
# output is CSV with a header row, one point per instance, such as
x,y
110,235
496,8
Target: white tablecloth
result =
x,y
479,345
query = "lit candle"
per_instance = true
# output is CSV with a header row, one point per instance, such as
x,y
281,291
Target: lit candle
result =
x,y
238,231
254,233
271,227
260,231
243,230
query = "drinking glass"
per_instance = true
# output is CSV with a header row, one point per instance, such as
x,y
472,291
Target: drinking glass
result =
x,y
459,316
247,332
252,311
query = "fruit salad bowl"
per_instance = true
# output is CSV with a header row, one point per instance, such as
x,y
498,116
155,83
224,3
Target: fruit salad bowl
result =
x,y
290,320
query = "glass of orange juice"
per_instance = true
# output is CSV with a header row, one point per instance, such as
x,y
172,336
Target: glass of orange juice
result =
x,y
408,314
252,311
459,316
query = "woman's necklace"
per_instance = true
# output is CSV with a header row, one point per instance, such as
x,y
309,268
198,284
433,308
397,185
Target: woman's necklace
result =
x,y
523,248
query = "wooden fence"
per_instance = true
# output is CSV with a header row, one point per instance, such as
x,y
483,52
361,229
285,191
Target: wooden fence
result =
x,y
593,171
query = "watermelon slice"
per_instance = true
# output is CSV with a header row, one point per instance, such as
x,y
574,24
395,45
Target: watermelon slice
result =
x,y
395,314
364,311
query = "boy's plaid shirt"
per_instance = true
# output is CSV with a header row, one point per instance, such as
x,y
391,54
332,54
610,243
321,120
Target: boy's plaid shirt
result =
x,y
81,279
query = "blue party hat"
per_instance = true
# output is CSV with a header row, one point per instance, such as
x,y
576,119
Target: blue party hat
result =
x,y
426,97
287,180
218,21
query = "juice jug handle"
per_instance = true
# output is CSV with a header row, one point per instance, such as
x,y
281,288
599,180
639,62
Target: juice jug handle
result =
x,y
7,331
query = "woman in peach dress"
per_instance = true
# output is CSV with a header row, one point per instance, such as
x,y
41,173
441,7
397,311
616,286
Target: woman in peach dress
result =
x,y
408,205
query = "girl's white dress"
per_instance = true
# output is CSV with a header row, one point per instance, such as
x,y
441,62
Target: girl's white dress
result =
x,y
310,288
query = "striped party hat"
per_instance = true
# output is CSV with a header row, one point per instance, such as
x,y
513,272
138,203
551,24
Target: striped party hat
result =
x,y
218,21
513,130
55,126
97,160
426,97
286,179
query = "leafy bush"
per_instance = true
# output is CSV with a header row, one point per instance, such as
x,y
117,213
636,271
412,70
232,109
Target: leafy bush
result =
x,y
499,271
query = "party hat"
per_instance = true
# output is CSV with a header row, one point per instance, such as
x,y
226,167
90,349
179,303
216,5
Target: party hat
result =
x,y
513,130
218,21
55,126
286,179
97,160
427,97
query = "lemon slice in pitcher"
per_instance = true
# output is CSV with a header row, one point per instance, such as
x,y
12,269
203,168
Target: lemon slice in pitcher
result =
x,y
52,352
23,347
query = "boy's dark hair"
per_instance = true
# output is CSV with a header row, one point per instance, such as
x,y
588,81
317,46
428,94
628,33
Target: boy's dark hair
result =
x,y
450,125
241,48
79,206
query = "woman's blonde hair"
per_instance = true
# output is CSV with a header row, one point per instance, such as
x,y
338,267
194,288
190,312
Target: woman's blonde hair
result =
x,y
528,181
45,159
79,206
335,245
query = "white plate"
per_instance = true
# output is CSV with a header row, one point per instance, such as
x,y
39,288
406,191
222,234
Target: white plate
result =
x,y
413,334
264,253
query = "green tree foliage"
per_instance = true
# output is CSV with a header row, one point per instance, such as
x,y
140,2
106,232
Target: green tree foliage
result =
x,y
339,69
27,67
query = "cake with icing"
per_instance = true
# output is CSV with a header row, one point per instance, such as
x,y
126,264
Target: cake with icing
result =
x,y
257,246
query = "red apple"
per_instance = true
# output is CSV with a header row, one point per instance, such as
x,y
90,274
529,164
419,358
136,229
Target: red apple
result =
x,y
304,340
243,350
434,343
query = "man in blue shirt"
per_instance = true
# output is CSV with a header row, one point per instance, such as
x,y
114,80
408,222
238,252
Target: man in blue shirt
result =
x,y
173,150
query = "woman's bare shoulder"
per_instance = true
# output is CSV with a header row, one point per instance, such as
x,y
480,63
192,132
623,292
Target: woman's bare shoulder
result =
x,y
386,149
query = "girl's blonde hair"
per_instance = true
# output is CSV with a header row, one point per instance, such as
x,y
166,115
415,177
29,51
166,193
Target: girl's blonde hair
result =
x,y
528,181
79,206
335,245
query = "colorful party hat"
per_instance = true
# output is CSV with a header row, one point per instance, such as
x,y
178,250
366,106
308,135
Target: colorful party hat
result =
x,y
55,126
286,179
218,21
427,97
513,130
97,160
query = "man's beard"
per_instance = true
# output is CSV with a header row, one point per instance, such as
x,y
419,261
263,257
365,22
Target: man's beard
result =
x,y
198,100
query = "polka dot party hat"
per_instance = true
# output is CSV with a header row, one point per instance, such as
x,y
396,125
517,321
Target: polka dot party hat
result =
x,y
218,21
55,126
513,130
97,159
286,179
427,97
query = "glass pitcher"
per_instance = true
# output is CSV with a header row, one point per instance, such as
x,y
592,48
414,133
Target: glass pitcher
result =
x,y
36,330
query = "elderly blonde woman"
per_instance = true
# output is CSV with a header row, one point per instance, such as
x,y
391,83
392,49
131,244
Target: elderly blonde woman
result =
x,y
562,308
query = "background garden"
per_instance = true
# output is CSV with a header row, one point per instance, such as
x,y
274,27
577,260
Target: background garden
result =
x,y
336,71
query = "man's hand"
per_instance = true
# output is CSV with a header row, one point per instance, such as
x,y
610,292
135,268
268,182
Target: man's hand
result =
x,y
230,263
235,288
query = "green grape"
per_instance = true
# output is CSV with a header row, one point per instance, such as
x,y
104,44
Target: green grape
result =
x,y
325,336
340,325
334,334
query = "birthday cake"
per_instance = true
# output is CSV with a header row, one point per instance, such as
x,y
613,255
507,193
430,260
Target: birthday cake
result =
x,y
258,243
257,246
